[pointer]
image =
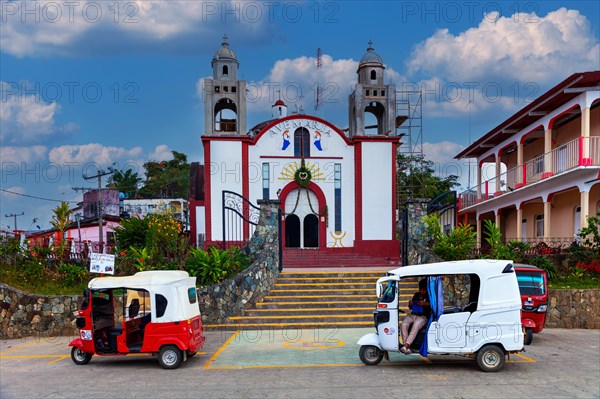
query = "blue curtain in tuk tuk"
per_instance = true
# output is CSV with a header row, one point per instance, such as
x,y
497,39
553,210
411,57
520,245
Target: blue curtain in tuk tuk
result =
x,y
436,300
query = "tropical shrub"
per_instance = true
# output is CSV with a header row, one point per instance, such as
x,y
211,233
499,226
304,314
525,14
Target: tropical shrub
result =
x,y
544,263
456,245
72,273
215,265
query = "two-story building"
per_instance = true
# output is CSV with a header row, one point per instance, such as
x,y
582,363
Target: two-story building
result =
x,y
547,166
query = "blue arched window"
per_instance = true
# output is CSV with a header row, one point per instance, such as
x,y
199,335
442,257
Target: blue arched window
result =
x,y
301,143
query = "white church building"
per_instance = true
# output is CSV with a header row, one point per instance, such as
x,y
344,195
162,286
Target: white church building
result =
x,y
337,188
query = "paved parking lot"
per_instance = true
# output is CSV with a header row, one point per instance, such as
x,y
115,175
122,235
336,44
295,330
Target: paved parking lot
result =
x,y
301,363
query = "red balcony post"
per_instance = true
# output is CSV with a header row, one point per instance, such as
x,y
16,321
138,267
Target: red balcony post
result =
x,y
486,190
580,163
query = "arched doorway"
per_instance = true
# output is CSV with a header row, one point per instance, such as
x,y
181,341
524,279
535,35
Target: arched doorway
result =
x,y
292,231
311,231
301,224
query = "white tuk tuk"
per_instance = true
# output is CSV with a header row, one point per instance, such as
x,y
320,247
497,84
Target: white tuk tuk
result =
x,y
482,320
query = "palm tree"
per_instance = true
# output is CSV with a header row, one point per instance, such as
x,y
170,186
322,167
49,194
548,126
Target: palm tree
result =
x,y
125,181
60,221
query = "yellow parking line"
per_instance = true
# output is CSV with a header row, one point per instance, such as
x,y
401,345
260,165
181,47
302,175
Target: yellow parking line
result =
x,y
59,359
30,356
525,359
24,346
218,352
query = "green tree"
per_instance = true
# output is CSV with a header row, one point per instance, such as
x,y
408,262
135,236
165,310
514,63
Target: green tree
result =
x,y
60,220
167,179
125,181
416,178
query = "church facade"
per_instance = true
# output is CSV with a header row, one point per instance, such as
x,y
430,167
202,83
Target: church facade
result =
x,y
337,188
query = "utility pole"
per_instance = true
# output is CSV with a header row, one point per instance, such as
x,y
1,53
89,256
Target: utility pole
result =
x,y
99,177
14,215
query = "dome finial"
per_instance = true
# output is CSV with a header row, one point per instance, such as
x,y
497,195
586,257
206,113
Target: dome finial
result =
x,y
370,45
225,41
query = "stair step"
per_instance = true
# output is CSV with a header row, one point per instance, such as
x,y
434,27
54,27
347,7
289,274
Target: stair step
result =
x,y
317,299
293,325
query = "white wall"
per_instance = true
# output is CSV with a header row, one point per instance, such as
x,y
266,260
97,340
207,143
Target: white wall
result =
x,y
226,174
377,191
334,150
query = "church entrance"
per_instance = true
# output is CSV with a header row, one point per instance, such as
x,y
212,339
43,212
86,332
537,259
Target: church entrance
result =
x,y
301,222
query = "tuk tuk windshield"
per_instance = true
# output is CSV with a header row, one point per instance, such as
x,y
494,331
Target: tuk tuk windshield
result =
x,y
389,294
531,283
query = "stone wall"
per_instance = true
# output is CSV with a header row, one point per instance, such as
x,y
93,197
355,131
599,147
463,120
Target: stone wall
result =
x,y
232,297
419,244
23,314
573,309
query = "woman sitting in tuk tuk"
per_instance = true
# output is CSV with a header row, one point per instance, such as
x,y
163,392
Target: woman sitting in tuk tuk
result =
x,y
417,319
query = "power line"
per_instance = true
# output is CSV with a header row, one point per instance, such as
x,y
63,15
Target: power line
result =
x,y
35,197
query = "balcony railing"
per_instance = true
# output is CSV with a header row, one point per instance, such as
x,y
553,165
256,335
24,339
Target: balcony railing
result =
x,y
583,151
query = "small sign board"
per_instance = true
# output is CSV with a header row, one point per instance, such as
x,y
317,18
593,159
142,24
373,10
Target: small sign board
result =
x,y
102,263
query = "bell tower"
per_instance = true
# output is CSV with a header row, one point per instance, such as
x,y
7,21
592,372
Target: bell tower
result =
x,y
224,95
372,104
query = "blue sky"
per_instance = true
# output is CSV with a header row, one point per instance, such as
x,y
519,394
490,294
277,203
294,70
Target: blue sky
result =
x,y
89,83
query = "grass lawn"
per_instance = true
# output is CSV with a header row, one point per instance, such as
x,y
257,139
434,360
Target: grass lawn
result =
x,y
47,284
572,282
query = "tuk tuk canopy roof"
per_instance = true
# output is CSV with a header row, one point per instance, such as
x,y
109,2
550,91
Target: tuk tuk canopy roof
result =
x,y
498,289
484,268
176,287
141,280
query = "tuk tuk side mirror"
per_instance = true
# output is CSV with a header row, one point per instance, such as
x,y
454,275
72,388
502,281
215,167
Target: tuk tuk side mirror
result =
x,y
508,269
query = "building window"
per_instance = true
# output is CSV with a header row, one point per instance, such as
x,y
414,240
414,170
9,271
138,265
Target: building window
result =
x,y
538,165
217,89
301,143
266,177
577,221
375,92
383,92
368,92
233,89
539,225
524,229
225,70
373,75
226,89
337,185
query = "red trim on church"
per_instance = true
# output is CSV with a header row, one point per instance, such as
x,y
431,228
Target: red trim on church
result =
x,y
358,192
245,189
301,116
394,189
322,204
207,192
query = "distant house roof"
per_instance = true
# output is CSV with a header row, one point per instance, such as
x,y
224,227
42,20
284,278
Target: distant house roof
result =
x,y
527,115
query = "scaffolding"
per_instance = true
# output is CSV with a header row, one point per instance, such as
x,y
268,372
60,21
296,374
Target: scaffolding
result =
x,y
409,126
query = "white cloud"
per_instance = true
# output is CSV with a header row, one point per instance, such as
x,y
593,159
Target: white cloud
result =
x,y
296,79
28,118
545,50
22,154
94,153
92,27
161,153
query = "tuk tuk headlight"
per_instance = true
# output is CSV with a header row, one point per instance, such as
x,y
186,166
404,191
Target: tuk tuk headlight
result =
x,y
542,308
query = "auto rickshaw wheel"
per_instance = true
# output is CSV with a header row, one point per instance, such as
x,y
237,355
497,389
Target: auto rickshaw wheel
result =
x,y
528,336
370,355
80,357
170,357
491,358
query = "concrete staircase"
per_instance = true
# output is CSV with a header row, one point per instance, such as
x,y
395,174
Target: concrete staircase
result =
x,y
318,299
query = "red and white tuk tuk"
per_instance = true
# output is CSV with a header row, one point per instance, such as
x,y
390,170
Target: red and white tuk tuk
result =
x,y
150,312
